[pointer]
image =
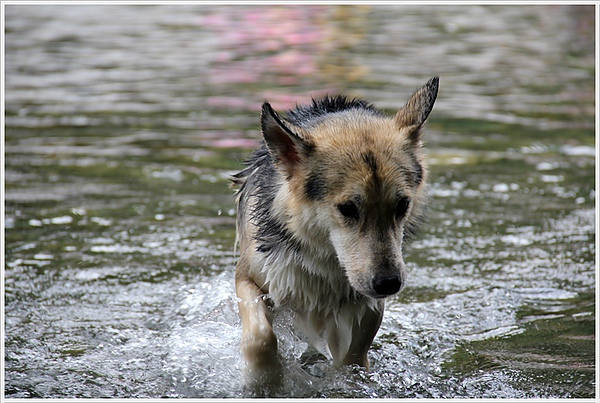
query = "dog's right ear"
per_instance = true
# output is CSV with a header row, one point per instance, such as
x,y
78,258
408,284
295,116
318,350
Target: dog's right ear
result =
x,y
415,112
287,147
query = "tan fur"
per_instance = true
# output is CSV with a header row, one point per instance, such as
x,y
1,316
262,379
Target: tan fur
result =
x,y
331,284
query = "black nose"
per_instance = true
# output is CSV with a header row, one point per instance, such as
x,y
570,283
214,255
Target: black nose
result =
x,y
386,284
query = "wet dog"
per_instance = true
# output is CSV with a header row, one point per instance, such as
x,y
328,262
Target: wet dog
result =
x,y
322,211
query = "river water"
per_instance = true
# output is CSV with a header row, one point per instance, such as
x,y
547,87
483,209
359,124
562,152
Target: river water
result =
x,y
123,123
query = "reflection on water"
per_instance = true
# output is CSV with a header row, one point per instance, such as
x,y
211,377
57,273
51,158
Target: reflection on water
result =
x,y
124,122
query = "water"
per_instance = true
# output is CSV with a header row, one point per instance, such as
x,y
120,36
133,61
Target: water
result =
x,y
123,123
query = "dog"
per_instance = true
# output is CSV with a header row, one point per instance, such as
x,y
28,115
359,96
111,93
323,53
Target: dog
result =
x,y
323,207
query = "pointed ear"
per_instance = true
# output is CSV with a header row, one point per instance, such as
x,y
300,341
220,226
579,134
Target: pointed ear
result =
x,y
287,147
417,109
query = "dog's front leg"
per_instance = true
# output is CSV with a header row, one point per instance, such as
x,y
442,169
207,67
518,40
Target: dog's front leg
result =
x,y
363,333
259,343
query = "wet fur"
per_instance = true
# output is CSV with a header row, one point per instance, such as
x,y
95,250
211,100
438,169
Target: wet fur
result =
x,y
323,208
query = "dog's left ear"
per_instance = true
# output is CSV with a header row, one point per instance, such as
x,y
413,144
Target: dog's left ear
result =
x,y
288,148
415,112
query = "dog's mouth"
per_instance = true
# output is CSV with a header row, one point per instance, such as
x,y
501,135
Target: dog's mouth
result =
x,y
383,296
381,288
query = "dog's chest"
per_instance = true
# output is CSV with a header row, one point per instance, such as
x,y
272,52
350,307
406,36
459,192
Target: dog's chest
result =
x,y
307,282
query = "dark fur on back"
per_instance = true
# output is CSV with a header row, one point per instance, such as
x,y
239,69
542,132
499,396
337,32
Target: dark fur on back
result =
x,y
305,115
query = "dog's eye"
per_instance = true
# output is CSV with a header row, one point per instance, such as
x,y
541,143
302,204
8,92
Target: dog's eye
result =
x,y
348,209
402,207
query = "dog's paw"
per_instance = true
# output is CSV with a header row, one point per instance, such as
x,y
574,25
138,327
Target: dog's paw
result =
x,y
264,379
266,376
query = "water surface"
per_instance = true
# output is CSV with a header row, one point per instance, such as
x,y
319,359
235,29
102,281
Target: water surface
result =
x,y
124,122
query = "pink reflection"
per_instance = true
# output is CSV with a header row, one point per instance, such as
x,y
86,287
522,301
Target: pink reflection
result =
x,y
271,52
280,43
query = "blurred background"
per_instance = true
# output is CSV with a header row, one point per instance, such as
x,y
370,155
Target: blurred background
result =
x,y
123,123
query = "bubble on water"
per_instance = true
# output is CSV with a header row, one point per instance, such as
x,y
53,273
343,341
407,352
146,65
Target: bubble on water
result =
x,y
79,211
209,178
61,220
39,263
116,248
100,241
551,294
26,246
43,256
516,240
456,161
501,188
579,150
580,315
446,193
105,222
536,148
502,331
9,222
152,244
14,263
544,166
551,165
169,173
464,223
552,178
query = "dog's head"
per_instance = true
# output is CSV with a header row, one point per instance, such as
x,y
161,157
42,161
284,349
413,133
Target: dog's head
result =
x,y
354,179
